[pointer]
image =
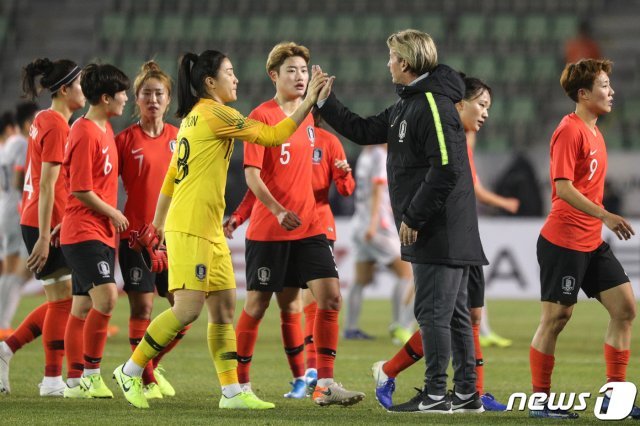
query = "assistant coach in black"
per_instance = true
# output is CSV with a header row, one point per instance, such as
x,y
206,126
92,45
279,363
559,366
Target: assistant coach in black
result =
x,y
434,207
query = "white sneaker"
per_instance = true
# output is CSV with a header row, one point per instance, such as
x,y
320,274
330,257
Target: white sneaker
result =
x,y
336,394
378,374
5,388
55,390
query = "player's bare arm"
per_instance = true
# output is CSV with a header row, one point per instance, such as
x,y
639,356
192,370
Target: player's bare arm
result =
x,y
286,218
91,200
617,224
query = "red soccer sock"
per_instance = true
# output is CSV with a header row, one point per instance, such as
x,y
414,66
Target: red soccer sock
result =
x,y
137,328
293,341
95,338
408,355
170,346
541,368
479,360
246,335
616,363
325,334
73,347
29,329
309,344
55,324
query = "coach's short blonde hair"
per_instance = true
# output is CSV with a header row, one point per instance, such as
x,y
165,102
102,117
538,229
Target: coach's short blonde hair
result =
x,y
415,47
282,51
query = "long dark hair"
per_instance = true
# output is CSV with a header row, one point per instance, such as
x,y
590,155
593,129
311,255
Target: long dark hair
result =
x,y
54,75
102,79
473,87
191,77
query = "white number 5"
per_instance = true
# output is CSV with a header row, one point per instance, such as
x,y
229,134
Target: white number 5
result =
x,y
285,155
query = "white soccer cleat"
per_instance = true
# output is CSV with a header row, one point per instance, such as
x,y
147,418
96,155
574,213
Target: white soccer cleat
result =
x,y
336,394
55,390
5,388
378,374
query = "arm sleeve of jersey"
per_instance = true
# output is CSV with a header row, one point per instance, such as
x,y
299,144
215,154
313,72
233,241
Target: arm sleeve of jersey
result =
x,y
169,178
445,169
120,145
81,165
19,155
345,184
253,153
472,165
243,211
53,142
227,122
379,167
564,152
363,131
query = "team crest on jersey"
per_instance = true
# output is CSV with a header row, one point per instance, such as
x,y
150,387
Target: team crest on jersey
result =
x,y
264,275
311,133
172,145
135,274
568,284
402,131
104,269
201,271
317,155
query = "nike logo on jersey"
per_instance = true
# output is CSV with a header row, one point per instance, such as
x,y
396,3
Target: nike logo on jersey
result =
x,y
133,151
593,152
104,151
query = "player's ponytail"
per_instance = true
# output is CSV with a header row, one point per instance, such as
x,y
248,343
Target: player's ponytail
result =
x,y
186,98
54,75
192,71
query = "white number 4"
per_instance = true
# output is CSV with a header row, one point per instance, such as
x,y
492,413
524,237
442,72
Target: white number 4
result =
x,y
28,181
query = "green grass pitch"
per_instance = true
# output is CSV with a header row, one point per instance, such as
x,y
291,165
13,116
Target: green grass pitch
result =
x,y
579,368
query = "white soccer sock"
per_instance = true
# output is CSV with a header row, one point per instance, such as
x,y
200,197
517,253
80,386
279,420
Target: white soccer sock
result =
x,y
485,329
72,383
11,296
89,371
464,396
5,351
229,391
354,305
132,369
436,397
407,316
3,300
51,380
397,298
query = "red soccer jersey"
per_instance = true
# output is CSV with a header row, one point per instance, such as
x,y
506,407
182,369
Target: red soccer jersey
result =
x,y
90,164
143,163
579,155
286,171
326,150
47,138
472,164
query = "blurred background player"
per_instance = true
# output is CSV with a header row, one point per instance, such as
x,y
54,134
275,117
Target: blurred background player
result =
x,y
286,248
375,242
329,164
200,269
89,226
571,252
474,111
12,160
144,152
43,203
7,130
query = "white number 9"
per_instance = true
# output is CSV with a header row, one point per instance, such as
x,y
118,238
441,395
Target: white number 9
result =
x,y
593,166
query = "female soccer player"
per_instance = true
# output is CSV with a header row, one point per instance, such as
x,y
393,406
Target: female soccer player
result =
x,y
144,152
375,241
43,204
286,248
189,215
329,164
474,111
571,252
89,226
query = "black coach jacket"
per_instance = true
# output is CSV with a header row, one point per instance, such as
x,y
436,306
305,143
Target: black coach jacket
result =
x,y
430,182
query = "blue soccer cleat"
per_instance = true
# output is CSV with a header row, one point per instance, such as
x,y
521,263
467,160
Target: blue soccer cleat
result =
x,y
385,386
357,334
311,379
548,413
490,404
298,389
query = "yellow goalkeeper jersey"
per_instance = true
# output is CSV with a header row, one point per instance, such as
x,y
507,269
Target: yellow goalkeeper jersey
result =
x,y
197,175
